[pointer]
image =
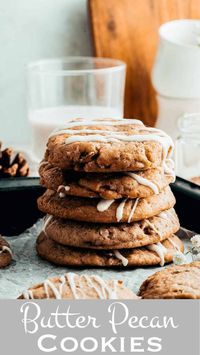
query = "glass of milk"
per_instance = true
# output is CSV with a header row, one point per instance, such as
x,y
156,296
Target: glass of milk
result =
x,y
73,87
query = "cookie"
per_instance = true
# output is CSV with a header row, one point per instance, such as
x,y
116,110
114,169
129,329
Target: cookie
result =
x,y
123,235
108,146
73,286
5,253
155,254
174,282
102,185
105,211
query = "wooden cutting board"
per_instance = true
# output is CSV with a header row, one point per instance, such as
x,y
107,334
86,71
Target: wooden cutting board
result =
x,y
128,30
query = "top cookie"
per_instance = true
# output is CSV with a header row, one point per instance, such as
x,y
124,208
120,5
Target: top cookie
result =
x,y
108,146
73,286
175,282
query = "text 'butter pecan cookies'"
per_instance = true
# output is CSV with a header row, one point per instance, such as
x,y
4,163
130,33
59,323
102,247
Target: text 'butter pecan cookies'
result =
x,y
108,146
5,253
105,211
73,286
154,254
112,236
181,281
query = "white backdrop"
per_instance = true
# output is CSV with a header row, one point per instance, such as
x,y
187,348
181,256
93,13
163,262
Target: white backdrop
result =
x,y
30,30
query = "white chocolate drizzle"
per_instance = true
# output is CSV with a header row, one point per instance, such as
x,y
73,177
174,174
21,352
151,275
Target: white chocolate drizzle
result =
x,y
119,256
62,283
63,187
106,292
145,182
174,244
28,295
106,136
133,210
165,141
60,191
103,205
78,123
152,226
61,194
72,284
160,250
120,210
6,248
163,215
169,168
101,288
47,219
91,284
49,285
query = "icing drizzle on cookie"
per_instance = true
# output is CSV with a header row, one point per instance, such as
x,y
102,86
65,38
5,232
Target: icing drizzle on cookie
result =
x,y
95,282
47,219
105,122
28,295
6,248
108,136
163,215
144,181
160,250
101,288
169,168
120,210
165,141
119,256
62,189
152,226
176,247
133,210
103,205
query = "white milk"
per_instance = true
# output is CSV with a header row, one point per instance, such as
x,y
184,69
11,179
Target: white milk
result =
x,y
44,121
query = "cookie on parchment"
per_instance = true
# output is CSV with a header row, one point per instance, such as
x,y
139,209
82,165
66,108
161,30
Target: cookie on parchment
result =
x,y
155,254
5,253
107,146
74,286
174,282
105,211
112,236
102,185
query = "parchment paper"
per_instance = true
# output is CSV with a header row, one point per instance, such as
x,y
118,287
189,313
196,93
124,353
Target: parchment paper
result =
x,y
28,269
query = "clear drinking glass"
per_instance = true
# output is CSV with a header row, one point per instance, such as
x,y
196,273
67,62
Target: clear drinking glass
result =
x,y
72,87
188,147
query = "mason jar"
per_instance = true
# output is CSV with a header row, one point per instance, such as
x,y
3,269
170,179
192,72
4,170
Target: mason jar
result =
x,y
187,152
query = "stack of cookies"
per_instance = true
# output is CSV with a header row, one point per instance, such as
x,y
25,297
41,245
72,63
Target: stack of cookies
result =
x,y
108,200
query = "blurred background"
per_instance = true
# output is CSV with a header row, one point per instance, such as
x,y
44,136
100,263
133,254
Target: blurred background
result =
x,y
158,40
31,30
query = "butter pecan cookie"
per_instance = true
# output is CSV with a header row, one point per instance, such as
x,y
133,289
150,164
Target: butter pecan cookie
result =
x,y
181,281
154,254
108,146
